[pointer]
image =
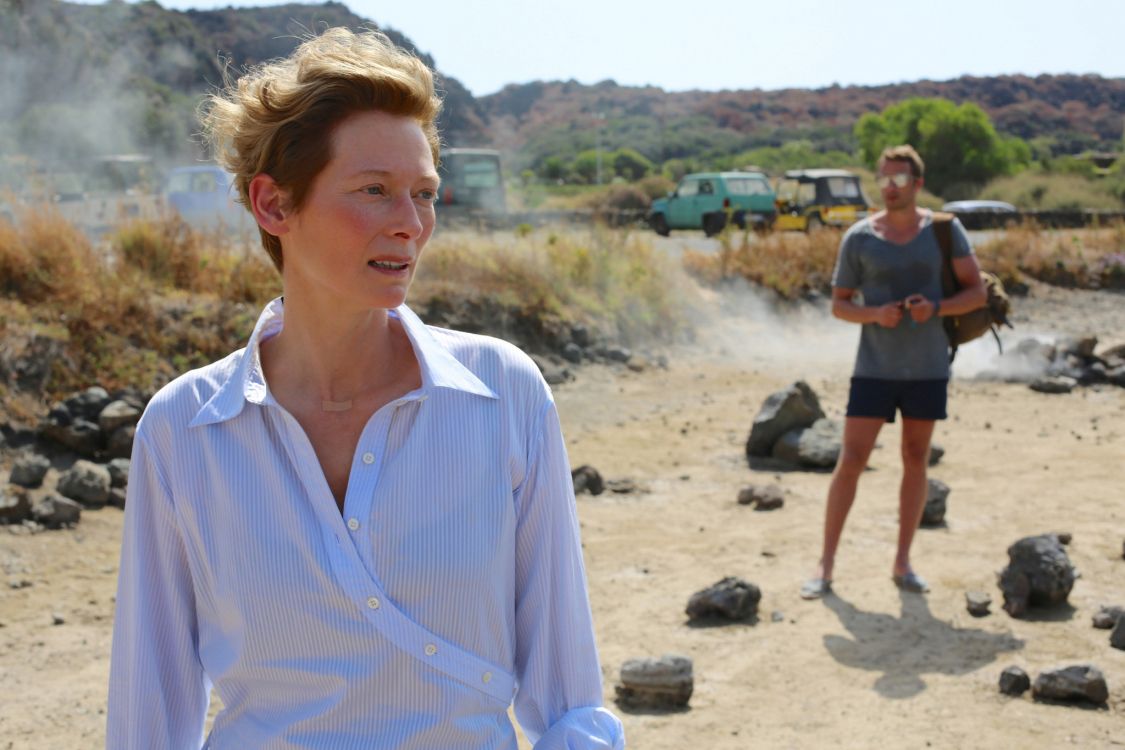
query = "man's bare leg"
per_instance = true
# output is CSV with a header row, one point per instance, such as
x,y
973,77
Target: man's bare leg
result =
x,y
859,439
916,435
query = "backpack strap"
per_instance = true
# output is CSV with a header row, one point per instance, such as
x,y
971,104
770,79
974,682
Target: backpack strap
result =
x,y
943,231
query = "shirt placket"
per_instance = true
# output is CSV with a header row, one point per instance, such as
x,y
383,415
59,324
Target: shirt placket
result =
x,y
351,553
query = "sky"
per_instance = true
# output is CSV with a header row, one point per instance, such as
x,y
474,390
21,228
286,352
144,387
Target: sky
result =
x,y
745,44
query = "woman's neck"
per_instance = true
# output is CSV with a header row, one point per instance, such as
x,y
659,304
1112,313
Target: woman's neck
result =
x,y
333,357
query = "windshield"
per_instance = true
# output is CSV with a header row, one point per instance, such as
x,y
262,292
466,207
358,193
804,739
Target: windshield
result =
x,y
787,190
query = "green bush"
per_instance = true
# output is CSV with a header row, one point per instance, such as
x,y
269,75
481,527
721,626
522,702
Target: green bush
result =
x,y
961,148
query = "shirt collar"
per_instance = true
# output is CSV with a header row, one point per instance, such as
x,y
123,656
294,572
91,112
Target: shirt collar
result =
x,y
246,382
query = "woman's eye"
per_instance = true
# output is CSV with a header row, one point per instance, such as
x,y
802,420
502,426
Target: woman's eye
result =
x,y
429,196
374,190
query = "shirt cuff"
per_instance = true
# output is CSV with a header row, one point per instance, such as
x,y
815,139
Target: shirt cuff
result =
x,y
588,728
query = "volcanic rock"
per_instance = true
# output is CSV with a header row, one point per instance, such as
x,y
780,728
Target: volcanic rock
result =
x,y
1014,681
587,479
730,599
29,469
662,684
795,407
86,482
936,494
1038,573
1083,682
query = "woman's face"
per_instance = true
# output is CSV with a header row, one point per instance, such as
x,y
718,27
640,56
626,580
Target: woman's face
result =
x,y
356,241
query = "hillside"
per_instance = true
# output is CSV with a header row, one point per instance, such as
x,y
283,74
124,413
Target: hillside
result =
x,y
79,80
1071,113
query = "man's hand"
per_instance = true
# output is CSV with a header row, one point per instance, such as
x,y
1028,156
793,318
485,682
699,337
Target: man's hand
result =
x,y
889,315
920,308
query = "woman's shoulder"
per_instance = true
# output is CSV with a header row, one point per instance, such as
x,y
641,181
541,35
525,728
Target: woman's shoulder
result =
x,y
499,364
177,403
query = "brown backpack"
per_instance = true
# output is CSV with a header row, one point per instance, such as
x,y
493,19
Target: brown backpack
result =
x,y
970,325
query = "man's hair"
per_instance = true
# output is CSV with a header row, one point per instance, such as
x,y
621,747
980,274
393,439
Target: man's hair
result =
x,y
278,118
904,153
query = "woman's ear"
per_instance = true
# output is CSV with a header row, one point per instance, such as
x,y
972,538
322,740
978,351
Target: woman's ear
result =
x,y
268,203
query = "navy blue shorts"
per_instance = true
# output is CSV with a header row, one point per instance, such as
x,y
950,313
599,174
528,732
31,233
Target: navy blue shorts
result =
x,y
916,399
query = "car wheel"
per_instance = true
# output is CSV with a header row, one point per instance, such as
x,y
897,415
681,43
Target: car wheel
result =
x,y
740,219
814,224
660,225
713,224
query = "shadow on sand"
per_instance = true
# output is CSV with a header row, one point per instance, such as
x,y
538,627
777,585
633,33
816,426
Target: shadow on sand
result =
x,y
907,647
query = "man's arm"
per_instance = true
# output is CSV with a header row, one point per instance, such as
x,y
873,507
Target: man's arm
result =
x,y
844,307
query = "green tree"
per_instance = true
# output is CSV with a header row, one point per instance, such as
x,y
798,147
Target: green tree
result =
x,y
553,168
585,166
959,144
630,164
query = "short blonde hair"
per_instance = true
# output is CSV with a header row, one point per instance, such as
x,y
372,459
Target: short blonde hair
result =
x,y
278,118
904,153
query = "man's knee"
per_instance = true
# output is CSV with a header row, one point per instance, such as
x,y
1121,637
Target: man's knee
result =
x,y
915,452
852,462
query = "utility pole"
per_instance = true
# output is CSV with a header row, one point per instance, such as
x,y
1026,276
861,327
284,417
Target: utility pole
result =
x,y
599,118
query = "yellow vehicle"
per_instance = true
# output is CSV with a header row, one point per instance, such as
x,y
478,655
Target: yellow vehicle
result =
x,y
808,199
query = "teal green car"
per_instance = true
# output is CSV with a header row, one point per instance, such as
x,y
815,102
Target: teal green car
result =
x,y
706,200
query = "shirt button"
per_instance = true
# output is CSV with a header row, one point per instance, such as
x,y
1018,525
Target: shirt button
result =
x,y
486,677
368,458
353,523
431,649
373,602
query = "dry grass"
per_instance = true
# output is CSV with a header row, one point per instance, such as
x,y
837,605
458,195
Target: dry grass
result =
x,y
1085,258
145,303
613,280
790,263
156,298
793,264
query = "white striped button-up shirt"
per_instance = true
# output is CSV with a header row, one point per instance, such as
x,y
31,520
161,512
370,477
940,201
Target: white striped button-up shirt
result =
x,y
451,585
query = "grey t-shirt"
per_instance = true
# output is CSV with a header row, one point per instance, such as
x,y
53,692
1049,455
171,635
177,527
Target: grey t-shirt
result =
x,y
885,272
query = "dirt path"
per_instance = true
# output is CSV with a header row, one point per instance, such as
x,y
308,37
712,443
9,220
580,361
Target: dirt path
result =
x,y
861,670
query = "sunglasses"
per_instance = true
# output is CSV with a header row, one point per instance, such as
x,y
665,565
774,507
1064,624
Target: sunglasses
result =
x,y
899,180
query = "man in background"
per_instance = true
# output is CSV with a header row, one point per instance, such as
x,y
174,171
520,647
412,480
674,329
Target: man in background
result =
x,y
888,279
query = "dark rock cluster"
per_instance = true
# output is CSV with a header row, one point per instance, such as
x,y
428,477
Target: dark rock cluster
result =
x,y
1063,365
77,458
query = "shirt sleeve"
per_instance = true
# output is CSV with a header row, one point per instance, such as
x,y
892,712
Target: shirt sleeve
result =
x,y
962,248
559,696
847,274
158,693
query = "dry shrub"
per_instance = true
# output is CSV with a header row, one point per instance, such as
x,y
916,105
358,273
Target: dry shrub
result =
x,y
117,308
166,250
599,276
790,263
173,254
44,258
1091,258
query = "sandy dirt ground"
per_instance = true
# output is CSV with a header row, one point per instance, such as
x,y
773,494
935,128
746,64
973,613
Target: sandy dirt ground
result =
x,y
867,668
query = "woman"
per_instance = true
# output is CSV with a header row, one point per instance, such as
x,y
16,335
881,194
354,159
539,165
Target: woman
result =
x,y
360,529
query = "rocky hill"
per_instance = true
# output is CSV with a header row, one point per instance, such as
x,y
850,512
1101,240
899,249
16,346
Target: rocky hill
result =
x,y
77,80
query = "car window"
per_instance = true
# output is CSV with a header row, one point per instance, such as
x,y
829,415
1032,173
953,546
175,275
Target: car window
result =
x,y
688,188
747,186
203,182
180,182
843,187
806,193
706,188
787,190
